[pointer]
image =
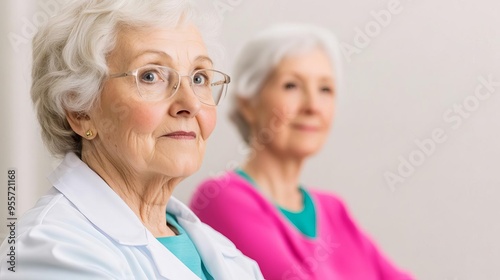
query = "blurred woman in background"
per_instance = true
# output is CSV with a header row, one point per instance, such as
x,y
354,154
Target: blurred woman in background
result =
x,y
286,80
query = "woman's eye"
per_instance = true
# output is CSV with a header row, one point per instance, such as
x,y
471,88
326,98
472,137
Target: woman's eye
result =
x,y
289,86
200,79
150,77
327,90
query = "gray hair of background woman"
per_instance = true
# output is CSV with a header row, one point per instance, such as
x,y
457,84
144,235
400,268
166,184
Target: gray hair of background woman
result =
x,y
70,50
261,54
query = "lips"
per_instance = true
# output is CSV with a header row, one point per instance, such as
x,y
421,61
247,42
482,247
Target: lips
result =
x,y
305,127
181,135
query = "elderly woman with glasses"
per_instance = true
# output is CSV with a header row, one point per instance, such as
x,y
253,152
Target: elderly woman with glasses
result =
x,y
287,79
125,91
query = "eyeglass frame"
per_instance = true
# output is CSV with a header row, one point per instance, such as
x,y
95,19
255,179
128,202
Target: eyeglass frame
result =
x,y
134,72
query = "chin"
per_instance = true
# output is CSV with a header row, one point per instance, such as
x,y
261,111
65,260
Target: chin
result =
x,y
179,162
301,152
304,154
176,167
306,148
184,169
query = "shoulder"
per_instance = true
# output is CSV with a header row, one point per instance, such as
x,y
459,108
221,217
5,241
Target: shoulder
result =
x,y
332,208
228,190
51,209
327,200
227,182
55,237
53,212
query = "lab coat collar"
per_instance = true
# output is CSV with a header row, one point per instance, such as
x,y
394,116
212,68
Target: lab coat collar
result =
x,y
98,202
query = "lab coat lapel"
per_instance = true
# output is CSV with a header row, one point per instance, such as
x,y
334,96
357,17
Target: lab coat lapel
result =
x,y
210,253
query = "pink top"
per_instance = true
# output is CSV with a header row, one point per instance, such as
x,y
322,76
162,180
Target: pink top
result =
x,y
340,250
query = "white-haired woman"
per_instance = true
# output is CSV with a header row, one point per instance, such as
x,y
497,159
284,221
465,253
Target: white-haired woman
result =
x,y
125,90
287,78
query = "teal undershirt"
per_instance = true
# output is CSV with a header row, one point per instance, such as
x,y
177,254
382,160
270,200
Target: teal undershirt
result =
x,y
304,220
183,248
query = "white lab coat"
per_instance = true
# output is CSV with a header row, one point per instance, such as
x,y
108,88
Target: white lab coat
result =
x,y
83,230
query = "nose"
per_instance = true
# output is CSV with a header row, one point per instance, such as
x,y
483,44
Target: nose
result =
x,y
310,101
185,103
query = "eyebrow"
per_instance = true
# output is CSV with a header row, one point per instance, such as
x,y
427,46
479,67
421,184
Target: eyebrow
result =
x,y
301,77
148,52
199,58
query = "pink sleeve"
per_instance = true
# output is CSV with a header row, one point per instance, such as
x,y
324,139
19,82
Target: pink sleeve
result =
x,y
385,268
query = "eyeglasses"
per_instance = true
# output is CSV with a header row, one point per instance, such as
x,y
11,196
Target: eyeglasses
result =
x,y
155,83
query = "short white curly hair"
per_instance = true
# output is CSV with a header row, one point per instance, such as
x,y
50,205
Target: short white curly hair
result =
x,y
261,55
70,50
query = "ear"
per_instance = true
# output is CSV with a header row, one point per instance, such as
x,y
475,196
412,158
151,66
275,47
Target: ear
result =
x,y
81,124
247,110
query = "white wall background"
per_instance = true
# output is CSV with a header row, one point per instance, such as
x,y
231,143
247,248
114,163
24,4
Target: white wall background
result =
x,y
441,222
21,147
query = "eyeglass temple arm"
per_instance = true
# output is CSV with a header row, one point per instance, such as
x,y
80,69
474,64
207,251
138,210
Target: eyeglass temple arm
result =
x,y
120,75
227,80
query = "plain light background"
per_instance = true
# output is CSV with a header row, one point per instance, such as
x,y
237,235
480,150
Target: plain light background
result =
x,y
441,222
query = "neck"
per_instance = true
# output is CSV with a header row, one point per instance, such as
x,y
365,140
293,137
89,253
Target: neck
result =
x,y
277,177
146,195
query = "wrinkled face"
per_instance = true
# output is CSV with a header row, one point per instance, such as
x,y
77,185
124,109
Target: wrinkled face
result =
x,y
294,110
145,137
